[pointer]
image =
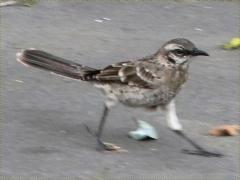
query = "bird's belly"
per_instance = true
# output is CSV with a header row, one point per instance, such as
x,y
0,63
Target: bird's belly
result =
x,y
139,97
146,97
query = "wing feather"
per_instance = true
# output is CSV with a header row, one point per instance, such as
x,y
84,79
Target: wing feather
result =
x,y
133,73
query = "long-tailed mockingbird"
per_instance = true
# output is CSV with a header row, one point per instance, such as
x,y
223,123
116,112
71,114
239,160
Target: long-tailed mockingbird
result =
x,y
150,82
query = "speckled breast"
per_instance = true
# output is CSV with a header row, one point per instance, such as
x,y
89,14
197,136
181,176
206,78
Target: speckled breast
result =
x,y
139,97
147,97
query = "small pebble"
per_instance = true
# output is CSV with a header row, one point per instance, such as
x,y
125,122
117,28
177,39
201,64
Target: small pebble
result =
x,y
63,131
153,149
98,20
198,29
107,19
19,81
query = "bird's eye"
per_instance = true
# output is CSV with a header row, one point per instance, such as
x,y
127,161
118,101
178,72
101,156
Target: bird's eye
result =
x,y
179,52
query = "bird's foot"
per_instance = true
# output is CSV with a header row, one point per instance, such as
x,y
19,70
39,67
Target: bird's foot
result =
x,y
105,146
202,153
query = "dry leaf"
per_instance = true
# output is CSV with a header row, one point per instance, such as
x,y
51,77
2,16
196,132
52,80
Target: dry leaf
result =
x,y
225,130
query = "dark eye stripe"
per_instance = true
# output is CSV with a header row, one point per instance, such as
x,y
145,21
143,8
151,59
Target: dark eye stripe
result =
x,y
178,52
181,52
187,52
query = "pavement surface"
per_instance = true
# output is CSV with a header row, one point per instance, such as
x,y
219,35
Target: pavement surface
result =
x,y
43,115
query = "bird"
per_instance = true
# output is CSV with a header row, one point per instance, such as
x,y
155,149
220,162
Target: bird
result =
x,y
149,82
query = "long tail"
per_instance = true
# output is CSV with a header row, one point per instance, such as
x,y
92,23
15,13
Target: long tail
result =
x,y
49,62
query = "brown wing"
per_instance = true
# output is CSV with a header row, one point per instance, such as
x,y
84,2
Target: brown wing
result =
x,y
133,73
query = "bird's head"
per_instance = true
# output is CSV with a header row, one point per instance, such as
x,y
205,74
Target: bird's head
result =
x,y
179,51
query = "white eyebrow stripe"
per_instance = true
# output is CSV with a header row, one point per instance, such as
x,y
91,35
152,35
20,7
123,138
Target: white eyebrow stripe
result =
x,y
173,46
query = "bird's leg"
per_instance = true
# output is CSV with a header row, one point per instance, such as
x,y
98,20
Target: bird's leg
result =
x,y
199,150
175,126
101,144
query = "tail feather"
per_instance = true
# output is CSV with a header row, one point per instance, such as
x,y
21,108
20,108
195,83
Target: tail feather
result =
x,y
49,62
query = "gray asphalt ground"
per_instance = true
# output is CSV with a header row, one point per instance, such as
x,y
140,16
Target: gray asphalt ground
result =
x,y
43,115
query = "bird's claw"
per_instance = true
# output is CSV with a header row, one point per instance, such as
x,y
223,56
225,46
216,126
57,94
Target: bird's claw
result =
x,y
202,153
110,147
105,146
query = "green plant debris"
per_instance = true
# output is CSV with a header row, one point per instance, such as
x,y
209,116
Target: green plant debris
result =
x,y
233,44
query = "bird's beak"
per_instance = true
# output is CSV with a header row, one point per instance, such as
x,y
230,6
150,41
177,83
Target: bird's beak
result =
x,y
198,52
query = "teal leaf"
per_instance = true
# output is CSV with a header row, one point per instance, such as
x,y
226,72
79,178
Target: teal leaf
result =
x,y
143,132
